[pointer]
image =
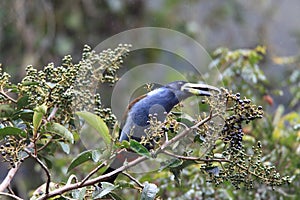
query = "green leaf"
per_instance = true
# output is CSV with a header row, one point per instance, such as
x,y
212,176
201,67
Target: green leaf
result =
x,y
81,158
42,109
60,130
97,123
37,120
139,148
11,131
39,112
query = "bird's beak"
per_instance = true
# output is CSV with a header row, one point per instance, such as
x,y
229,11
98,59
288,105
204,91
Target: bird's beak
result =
x,y
199,89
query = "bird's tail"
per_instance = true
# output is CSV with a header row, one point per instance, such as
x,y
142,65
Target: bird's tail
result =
x,y
112,178
118,162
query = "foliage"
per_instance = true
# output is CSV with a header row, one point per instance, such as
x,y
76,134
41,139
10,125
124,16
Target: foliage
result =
x,y
219,154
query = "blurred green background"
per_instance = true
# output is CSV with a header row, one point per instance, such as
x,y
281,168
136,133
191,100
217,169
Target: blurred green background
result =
x,y
37,32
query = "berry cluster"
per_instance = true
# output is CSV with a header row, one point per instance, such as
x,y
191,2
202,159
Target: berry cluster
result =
x,y
71,87
4,80
108,63
105,113
10,150
241,111
157,130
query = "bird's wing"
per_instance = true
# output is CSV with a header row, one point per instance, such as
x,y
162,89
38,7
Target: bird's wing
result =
x,y
125,115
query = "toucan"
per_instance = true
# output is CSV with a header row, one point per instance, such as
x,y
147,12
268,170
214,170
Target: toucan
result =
x,y
157,102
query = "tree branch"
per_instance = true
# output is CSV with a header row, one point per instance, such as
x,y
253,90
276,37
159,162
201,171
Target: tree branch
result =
x,y
10,195
10,175
185,132
133,179
92,181
91,173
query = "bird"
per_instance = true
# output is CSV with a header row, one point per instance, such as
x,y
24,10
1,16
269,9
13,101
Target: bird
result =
x,y
157,102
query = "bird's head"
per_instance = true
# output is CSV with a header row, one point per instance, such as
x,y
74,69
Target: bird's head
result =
x,y
183,89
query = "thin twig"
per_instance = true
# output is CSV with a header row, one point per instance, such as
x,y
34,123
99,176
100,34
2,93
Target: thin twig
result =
x,y
45,145
133,179
91,173
44,167
10,195
195,158
6,96
10,190
52,114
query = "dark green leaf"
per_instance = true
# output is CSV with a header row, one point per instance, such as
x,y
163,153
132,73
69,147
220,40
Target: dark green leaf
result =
x,y
200,139
81,158
186,119
139,149
29,83
11,131
171,163
22,102
60,130
6,110
97,123
115,196
25,115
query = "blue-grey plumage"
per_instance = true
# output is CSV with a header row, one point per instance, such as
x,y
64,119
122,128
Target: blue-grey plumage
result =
x,y
159,102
